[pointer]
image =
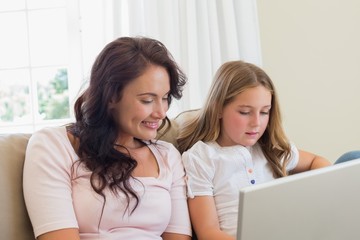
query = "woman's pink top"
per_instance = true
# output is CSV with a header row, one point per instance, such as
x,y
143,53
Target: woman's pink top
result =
x,y
58,194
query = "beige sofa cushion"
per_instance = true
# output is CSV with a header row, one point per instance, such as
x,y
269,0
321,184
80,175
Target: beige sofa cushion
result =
x,y
176,123
14,221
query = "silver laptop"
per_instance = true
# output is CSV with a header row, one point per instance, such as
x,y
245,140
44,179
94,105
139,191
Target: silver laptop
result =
x,y
322,204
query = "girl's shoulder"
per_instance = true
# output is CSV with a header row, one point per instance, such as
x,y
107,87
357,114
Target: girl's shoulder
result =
x,y
204,148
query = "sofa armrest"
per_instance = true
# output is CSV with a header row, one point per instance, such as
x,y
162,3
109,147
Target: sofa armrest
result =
x,y
14,222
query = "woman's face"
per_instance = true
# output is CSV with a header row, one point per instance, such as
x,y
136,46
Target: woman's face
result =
x,y
143,105
244,120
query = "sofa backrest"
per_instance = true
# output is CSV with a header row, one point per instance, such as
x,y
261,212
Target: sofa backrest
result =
x,y
176,123
14,221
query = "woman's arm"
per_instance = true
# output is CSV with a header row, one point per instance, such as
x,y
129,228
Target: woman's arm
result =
x,y
175,236
62,234
309,161
47,184
205,220
179,226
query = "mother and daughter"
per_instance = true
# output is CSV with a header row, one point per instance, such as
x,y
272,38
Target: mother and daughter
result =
x,y
106,177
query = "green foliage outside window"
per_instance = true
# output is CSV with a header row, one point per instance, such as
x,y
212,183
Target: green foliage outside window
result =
x,y
53,98
14,102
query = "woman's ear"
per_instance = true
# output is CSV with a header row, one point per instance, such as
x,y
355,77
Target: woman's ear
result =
x,y
112,103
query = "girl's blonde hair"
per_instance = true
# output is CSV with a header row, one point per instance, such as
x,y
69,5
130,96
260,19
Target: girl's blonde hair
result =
x,y
231,79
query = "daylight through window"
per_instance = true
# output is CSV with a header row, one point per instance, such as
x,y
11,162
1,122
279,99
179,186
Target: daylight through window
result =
x,y
33,64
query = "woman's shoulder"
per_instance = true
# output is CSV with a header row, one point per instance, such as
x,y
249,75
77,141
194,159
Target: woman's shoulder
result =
x,y
50,133
164,143
55,138
164,148
51,147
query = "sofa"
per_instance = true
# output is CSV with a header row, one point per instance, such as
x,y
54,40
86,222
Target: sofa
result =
x,y
14,222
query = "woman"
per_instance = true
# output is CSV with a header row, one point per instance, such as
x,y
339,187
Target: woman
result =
x,y
104,176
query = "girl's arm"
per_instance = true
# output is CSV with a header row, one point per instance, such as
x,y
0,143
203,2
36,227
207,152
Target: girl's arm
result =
x,y
62,234
205,220
309,161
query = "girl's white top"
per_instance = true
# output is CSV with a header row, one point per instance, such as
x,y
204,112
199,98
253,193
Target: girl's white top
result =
x,y
221,172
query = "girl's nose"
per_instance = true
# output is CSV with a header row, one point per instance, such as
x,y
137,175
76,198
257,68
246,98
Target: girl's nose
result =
x,y
255,120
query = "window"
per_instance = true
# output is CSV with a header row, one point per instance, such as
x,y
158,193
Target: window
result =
x,y
35,77
47,50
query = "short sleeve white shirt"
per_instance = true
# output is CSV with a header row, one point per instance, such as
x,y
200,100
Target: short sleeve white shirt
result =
x,y
221,172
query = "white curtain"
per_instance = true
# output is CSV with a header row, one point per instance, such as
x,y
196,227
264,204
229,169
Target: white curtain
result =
x,y
201,35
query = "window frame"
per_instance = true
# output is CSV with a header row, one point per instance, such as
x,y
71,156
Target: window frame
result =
x,y
74,68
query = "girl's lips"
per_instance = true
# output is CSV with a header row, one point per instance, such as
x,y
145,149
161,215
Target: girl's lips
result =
x,y
252,133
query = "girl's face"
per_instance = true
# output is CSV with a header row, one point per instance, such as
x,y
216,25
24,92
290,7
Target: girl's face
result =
x,y
244,120
143,105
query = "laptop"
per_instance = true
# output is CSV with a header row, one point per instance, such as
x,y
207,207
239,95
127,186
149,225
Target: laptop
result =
x,y
322,204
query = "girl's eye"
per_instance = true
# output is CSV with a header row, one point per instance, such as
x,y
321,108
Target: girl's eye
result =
x,y
265,113
244,113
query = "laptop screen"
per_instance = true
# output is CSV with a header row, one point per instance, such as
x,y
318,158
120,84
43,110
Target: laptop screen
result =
x,y
322,204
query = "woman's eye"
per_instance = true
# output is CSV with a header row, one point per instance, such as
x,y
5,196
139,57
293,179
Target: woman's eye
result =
x,y
147,101
265,113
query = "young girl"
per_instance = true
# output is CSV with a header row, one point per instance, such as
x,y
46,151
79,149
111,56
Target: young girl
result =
x,y
237,140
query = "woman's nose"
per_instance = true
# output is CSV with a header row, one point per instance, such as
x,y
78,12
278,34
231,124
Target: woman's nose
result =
x,y
160,110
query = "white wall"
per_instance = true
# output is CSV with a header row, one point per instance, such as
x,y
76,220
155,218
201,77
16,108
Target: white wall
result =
x,y
311,50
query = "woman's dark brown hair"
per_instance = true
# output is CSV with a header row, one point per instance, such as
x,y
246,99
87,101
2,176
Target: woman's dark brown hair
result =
x,y
119,63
